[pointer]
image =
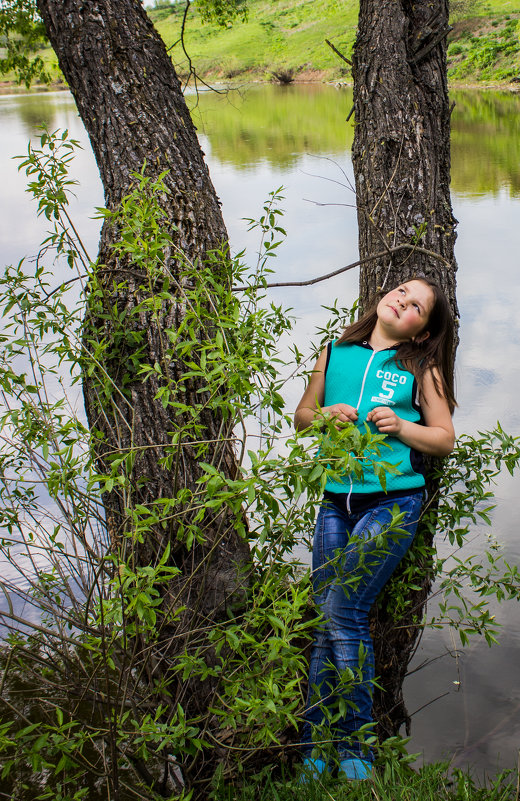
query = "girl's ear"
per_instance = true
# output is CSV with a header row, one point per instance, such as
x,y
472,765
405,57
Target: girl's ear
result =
x,y
421,337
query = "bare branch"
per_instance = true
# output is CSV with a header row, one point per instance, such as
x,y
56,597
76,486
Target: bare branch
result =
x,y
412,248
332,47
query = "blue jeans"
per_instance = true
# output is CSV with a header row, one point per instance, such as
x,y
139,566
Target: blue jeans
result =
x,y
350,566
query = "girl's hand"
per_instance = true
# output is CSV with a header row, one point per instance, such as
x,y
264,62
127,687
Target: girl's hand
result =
x,y
310,407
436,437
341,413
386,420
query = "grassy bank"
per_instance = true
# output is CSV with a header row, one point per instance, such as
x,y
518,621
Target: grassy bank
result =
x,y
484,45
289,36
431,783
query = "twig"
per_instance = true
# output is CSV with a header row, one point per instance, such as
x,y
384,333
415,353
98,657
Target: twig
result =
x,y
192,70
50,634
337,165
429,703
6,669
428,662
324,205
358,263
338,53
183,30
347,61
391,179
48,295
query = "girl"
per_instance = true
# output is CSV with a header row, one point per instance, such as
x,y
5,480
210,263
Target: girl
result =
x,y
393,370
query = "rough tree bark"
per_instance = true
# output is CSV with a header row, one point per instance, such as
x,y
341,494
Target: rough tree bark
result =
x,y
401,158
131,103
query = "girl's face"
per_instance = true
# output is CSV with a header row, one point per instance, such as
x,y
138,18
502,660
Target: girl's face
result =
x,y
403,312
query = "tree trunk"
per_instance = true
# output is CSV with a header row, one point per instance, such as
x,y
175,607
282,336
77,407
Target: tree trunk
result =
x,y
401,150
401,158
131,103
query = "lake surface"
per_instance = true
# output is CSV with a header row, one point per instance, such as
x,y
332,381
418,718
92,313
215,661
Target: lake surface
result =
x,y
259,139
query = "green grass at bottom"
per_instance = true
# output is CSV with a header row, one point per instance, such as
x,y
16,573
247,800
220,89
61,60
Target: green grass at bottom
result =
x,y
435,782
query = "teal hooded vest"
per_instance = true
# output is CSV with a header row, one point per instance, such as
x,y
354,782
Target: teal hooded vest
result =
x,y
364,378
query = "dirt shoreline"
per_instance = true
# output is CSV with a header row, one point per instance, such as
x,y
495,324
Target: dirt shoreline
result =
x,y
310,76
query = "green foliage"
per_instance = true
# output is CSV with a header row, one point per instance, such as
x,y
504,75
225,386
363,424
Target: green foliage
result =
x,y
22,33
94,696
465,581
102,612
490,55
49,165
222,12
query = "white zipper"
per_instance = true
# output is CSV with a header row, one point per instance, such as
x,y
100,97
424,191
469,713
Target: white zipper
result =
x,y
365,378
367,368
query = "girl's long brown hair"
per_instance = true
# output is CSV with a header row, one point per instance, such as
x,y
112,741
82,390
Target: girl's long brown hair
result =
x,y
418,357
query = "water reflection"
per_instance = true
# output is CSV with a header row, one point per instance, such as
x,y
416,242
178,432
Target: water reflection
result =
x,y
20,119
28,113
37,113
486,143
278,124
274,124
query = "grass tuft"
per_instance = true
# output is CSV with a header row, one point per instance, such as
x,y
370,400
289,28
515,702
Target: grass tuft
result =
x,y
433,782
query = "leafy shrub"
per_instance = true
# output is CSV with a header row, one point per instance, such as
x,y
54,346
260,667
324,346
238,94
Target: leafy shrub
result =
x,y
455,49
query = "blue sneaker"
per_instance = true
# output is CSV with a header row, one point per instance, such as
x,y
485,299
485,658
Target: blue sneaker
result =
x,y
354,769
312,769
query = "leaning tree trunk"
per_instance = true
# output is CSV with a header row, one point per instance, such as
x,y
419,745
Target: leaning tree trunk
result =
x,y
131,103
401,158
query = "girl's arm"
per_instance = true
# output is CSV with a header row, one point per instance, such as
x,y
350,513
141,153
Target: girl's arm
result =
x,y
312,400
436,438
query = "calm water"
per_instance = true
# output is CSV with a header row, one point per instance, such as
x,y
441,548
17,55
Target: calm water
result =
x,y
258,140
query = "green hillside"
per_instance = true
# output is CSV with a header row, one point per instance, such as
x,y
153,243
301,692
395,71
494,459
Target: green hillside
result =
x,y
279,35
289,36
484,44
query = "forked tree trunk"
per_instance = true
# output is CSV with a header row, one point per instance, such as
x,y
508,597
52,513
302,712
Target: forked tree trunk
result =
x,y
131,103
401,158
